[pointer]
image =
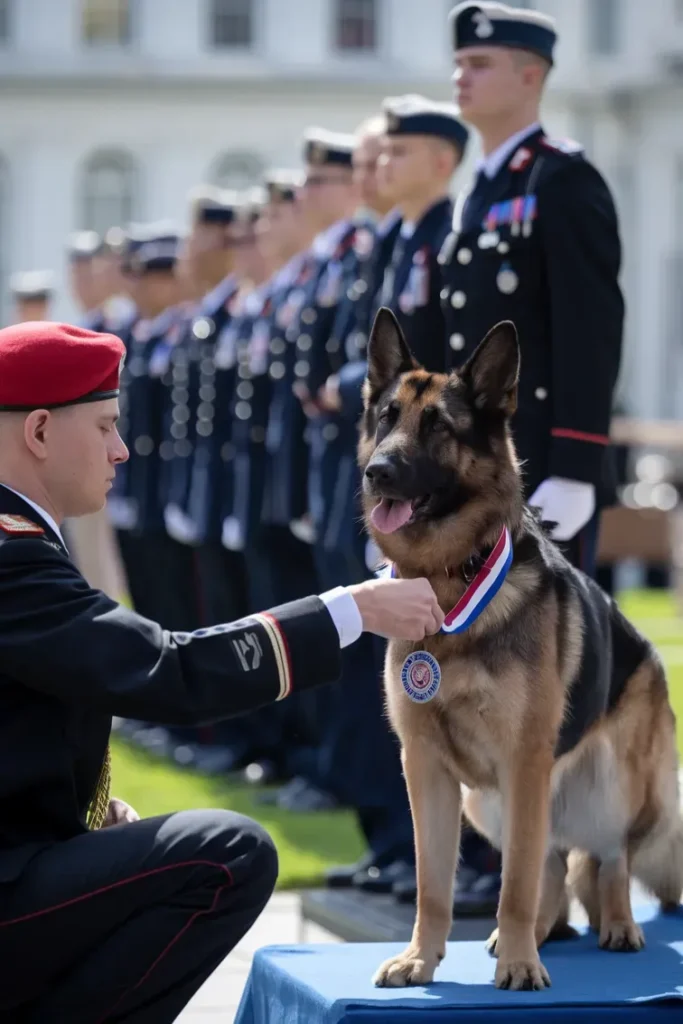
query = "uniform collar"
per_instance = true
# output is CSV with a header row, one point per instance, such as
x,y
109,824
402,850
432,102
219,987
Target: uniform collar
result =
x,y
327,241
491,164
288,274
45,516
214,299
388,222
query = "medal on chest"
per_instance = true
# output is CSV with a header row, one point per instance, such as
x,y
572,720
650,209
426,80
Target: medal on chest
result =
x,y
421,676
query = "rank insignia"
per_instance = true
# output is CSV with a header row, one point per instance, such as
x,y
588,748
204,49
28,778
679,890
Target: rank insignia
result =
x,y
521,159
15,525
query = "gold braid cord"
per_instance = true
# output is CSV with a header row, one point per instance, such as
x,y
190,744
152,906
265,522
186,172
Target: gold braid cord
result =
x,y
99,805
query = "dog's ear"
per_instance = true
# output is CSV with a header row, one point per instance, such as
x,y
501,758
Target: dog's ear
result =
x,y
492,371
388,354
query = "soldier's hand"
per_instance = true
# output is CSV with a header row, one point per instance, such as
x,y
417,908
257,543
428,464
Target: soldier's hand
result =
x,y
328,395
120,813
402,609
304,395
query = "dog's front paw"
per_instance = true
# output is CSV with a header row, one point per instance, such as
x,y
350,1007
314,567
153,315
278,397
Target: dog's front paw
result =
x,y
412,967
522,974
621,937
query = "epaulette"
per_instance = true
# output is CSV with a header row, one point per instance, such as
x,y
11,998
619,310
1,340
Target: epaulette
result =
x,y
567,146
19,526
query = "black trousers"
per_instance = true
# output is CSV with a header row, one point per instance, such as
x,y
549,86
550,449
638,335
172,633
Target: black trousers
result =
x,y
127,923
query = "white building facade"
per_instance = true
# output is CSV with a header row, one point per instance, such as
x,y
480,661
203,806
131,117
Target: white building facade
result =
x,y
112,110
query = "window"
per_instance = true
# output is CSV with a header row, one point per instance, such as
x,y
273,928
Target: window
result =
x,y
108,192
603,29
236,170
106,22
232,22
4,20
356,25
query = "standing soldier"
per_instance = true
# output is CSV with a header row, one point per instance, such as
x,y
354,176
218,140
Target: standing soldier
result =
x,y
91,537
155,588
535,241
298,372
424,144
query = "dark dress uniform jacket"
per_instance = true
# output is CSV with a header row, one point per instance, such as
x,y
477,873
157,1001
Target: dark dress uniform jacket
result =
x,y
70,659
539,245
412,286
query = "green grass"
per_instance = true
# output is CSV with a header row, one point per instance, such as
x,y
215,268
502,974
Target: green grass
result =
x,y
307,844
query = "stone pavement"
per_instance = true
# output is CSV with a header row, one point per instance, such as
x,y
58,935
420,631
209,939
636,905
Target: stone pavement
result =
x,y
217,1001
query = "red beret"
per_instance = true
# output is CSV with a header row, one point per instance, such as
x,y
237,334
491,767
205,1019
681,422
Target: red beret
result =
x,y
45,365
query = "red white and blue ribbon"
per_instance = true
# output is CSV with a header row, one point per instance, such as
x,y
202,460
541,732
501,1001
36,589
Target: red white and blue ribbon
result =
x,y
483,588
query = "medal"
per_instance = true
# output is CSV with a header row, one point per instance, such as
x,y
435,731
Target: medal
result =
x,y
507,280
421,676
488,239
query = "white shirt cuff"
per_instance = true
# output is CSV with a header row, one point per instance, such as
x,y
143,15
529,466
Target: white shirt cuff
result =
x,y
345,614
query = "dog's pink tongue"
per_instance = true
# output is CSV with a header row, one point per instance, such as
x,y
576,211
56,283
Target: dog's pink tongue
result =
x,y
389,515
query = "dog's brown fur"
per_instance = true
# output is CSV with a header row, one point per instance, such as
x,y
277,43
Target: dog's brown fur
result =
x,y
493,726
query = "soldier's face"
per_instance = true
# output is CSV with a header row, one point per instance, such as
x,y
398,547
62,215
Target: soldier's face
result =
x,y
280,228
406,166
489,83
78,450
365,181
204,250
326,194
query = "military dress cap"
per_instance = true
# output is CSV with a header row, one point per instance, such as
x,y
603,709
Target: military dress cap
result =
x,y
32,284
322,147
282,185
416,115
81,246
46,365
212,205
150,247
494,24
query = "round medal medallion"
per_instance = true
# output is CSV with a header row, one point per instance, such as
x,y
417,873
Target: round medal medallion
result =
x,y
421,676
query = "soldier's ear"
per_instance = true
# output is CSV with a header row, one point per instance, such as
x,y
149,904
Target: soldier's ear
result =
x,y
388,354
492,371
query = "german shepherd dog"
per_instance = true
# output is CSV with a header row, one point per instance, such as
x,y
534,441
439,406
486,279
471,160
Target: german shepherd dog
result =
x,y
552,711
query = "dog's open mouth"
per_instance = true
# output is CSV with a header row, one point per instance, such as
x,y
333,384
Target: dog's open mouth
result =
x,y
390,514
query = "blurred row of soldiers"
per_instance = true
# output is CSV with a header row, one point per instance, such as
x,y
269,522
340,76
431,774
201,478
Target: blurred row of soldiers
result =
x,y
242,390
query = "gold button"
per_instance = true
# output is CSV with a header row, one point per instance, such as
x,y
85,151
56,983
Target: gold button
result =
x,y
541,394
503,247
457,342
458,300
464,256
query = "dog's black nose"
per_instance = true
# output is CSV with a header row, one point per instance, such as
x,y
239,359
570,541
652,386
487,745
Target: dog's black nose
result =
x,y
382,472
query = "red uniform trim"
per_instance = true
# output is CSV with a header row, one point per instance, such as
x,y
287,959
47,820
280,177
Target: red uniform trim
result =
x,y
579,435
285,650
126,881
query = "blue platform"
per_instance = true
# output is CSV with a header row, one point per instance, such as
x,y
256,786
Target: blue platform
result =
x,y
331,984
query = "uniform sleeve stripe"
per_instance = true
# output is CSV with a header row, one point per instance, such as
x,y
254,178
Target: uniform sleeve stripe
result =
x,y
579,435
280,650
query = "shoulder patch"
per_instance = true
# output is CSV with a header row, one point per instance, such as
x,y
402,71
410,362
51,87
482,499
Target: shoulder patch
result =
x,y
521,159
568,146
20,526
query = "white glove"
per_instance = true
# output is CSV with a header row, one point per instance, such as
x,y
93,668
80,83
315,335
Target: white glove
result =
x,y
569,503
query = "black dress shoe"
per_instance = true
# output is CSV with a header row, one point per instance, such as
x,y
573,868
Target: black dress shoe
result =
x,y
307,800
384,879
342,877
405,890
476,894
